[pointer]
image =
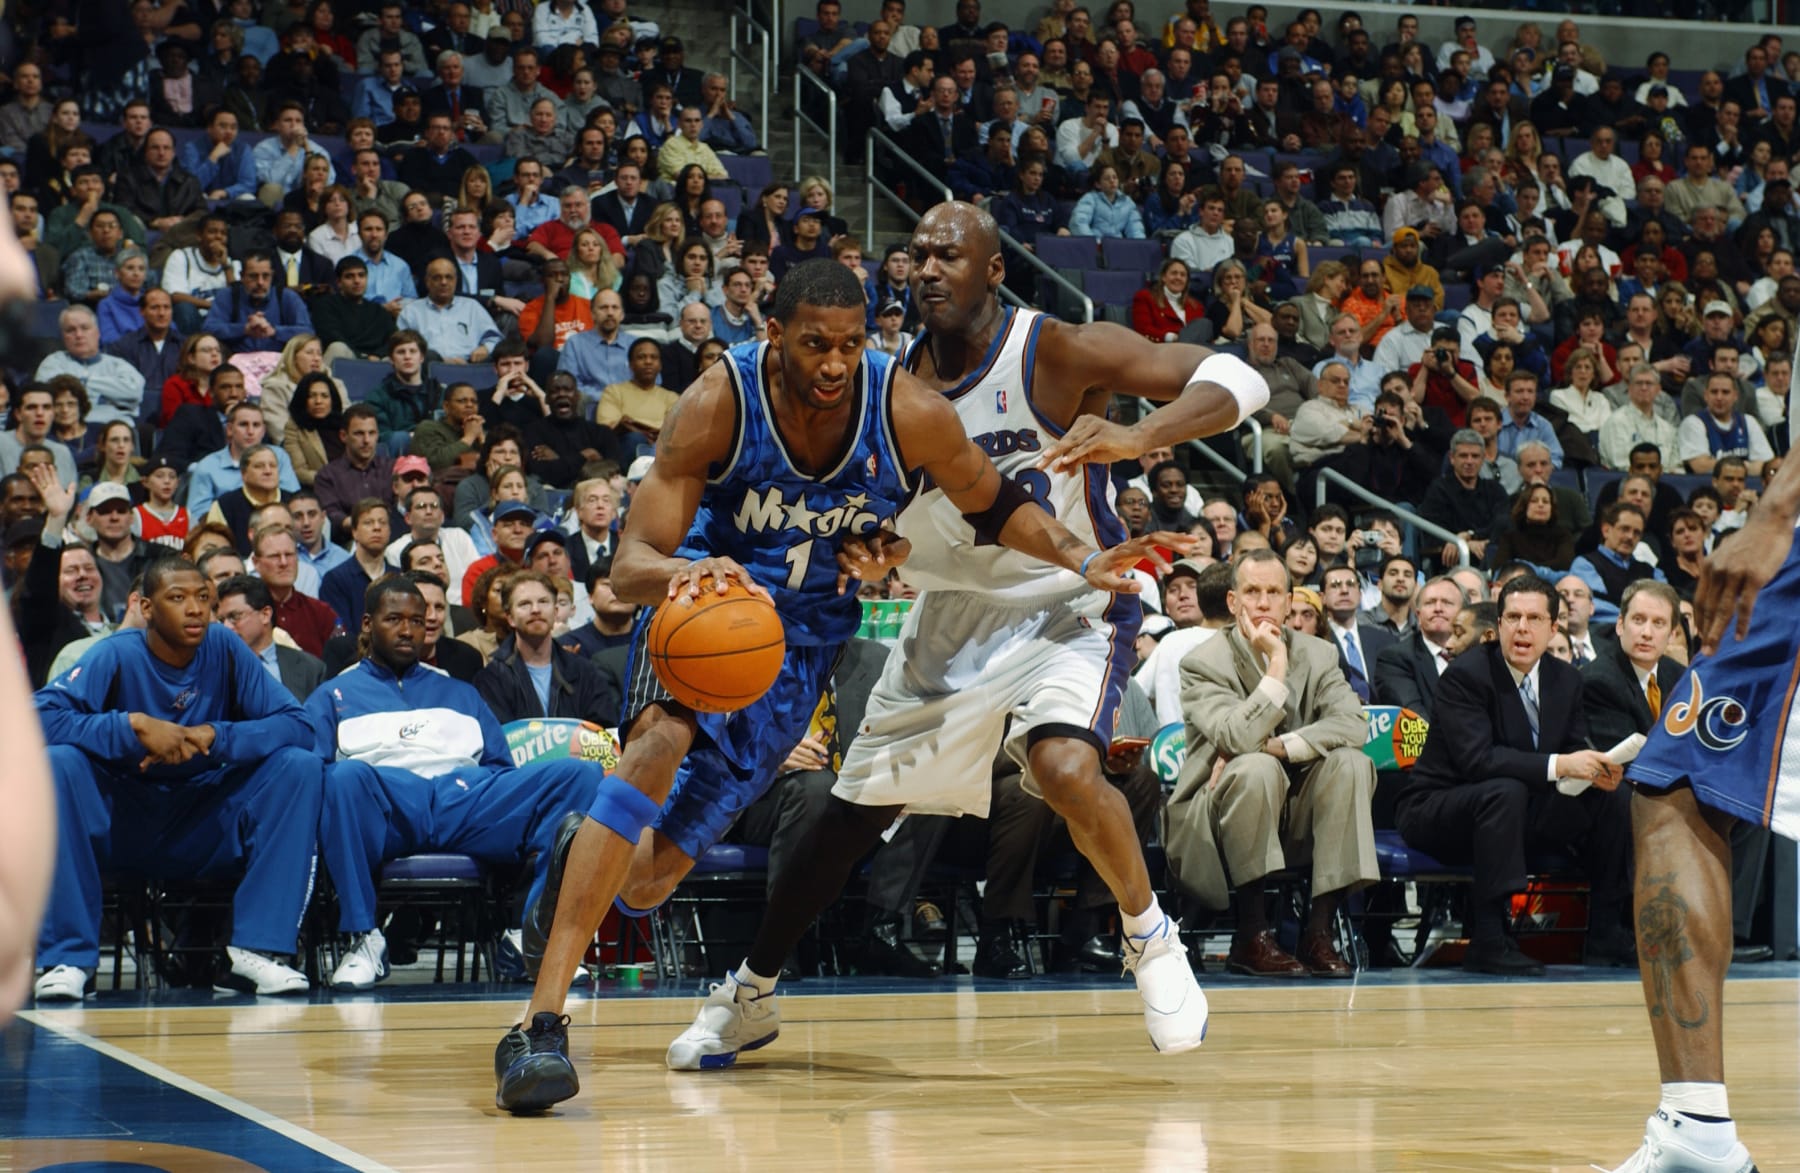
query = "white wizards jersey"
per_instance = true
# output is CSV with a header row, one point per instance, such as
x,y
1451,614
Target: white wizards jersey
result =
x,y
998,415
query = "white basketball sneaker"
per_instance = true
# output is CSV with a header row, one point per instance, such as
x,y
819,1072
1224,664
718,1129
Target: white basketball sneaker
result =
x,y
63,983
258,973
1174,1005
1670,1147
364,965
726,1025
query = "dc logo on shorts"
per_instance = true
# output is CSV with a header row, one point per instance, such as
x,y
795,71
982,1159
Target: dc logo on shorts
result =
x,y
1719,722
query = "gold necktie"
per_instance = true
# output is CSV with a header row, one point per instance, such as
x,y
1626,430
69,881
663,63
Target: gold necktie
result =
x,y
1653,693
293,271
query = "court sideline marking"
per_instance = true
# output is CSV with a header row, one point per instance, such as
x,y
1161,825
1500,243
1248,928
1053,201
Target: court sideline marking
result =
x,y
286,1128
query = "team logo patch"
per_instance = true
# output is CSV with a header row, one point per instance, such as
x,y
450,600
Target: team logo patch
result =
x,y
1720,722
183,699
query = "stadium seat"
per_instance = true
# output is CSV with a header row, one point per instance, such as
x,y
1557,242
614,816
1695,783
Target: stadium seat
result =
x,y
1111,288
359,376
457,889
43,320
1457,296
477,375
732,196
1068,252
1131,256
726,874
1684,483
1597,480
1566,478
752,172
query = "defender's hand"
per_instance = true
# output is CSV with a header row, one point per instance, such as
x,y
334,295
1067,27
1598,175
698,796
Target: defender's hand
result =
x,y
1111,570
1091,439
869,557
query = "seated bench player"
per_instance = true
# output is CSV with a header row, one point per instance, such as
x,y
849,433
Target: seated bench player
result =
x,y
177,755
418,763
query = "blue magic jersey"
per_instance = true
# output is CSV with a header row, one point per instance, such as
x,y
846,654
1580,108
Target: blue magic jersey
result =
x,y
785,526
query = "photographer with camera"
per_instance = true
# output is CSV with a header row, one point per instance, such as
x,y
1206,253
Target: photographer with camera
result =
x,y
1442,378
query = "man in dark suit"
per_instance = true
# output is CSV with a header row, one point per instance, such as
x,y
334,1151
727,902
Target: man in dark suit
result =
x,y
1509,728
626,208
452,35
941,135
593,543
1624,686
245,607
1406,673
1359,644
462,102
297,267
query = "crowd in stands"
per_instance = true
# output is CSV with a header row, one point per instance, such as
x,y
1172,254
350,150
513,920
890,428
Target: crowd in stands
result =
x,y
338,291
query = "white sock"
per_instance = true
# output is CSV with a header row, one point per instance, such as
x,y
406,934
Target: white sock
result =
x,y
1696,1099
759,986
1144,923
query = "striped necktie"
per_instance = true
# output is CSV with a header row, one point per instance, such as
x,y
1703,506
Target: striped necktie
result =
x,y
1528,696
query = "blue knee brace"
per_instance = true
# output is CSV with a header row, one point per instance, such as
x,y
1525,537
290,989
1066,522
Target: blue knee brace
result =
x,y
635,913
622,808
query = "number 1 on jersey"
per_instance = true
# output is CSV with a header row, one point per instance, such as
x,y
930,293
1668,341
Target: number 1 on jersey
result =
x,y
799,558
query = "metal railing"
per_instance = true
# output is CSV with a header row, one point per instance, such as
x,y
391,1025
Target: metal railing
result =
x,y
1331,476
802,78
755,39
1224,463
877,187
1018,249
933,183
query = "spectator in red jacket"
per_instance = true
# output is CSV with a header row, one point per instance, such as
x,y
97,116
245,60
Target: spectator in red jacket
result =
x,y
1160,312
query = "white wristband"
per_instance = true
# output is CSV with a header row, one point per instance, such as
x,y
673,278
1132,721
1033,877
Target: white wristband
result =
x,y
1250,389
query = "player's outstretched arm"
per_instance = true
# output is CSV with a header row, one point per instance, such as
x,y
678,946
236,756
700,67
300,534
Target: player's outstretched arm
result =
x,y
931,438
1202,393
1741,567
27,833
696,435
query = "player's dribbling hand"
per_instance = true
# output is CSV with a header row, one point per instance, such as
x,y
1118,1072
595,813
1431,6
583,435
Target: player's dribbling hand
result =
x,y
1732,576
723,572
1112,569
869,557
1091,439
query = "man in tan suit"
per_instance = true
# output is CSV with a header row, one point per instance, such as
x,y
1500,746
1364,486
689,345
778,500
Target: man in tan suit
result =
x,y
1275,774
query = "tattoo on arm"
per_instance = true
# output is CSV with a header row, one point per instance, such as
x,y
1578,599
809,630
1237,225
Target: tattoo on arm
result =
x,y
1663,944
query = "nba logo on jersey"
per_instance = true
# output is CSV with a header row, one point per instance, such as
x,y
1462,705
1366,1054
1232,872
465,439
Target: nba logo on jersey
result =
x,y
1000,399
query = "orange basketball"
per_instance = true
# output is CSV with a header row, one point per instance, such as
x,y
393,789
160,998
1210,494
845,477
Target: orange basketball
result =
x,y
719,652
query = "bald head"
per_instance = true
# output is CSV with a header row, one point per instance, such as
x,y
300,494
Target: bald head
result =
x,y
970,226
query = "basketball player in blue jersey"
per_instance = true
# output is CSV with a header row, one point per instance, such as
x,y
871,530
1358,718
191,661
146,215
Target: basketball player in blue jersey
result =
x,y
1722,750
997,636
763,468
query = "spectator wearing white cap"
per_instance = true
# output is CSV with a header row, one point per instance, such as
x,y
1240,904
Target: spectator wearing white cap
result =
x,y
120,554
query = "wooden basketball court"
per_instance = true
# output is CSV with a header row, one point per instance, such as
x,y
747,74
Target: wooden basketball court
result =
x,y
1404,1072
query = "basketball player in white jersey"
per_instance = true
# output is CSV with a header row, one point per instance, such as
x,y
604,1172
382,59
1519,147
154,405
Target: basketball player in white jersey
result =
x,y
997,637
